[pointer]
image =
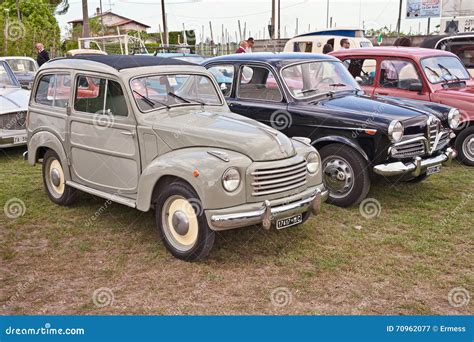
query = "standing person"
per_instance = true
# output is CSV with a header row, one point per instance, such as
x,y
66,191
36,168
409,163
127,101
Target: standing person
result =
x,y
327,48
345,43
43,55
242,47
250,43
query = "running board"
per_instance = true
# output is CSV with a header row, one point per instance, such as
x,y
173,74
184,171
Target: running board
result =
x,y
112,197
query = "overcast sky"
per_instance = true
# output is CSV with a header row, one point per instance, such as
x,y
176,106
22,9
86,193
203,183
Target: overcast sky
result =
x,y
256,14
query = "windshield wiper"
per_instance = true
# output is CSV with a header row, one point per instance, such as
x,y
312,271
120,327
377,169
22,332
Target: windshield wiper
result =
x,y
304,91
337,84
185,99
436,74
449,72
149,101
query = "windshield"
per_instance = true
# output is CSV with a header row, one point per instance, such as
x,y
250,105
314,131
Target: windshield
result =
x,y
22,65
158,91
6,79
306,80
444,69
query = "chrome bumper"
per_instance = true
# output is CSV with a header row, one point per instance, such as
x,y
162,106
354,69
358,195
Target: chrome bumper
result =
x,y
417,166
267,214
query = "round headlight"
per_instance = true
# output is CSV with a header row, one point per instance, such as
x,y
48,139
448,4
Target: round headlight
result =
x,y
454,118
231,179
313,162
395,131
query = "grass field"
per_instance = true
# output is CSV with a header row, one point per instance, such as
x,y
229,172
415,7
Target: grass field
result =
x,y
407,260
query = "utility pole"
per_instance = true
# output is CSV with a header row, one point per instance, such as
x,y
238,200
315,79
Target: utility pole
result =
x,y
399,22
85,22
165,26
327,14
296,32
273,19
279,21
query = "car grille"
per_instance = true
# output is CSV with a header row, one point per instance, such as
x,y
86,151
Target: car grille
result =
x,y
13,121
433,130
269,181
412,149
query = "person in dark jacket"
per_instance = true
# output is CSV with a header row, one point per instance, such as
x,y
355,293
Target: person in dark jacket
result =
x,y
43,55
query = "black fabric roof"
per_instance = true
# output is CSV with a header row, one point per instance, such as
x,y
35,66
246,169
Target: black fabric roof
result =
x,y
120,62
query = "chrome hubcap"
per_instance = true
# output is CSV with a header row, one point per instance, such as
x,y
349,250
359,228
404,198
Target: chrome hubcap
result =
x,y
180,222
55,177
338,176
468,147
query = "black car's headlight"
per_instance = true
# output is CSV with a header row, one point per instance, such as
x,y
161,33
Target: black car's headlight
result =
x,y
395,131
313,162
231,179
454,118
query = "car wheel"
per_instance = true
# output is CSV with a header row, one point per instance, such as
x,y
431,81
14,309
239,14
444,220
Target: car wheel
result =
x,y
54,180
345,174
465,146
182,223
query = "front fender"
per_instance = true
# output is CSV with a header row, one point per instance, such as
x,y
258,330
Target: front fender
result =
x,y
182,163
47,140
340,140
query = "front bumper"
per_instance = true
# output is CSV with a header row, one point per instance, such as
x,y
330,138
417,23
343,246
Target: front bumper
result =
x,y
268,212
417,166
11,138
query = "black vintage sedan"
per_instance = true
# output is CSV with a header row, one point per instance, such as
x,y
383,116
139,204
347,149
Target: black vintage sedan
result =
x,y
314,96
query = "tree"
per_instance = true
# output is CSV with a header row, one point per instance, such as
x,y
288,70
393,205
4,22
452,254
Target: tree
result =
x,y
38,24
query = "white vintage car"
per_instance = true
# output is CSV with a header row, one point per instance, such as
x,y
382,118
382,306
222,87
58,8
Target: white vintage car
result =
x,y
13,108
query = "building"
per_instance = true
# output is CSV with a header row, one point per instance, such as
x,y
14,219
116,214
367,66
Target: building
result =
x,y
114,23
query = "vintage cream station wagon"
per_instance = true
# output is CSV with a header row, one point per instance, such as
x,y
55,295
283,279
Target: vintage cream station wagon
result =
x,y
150,132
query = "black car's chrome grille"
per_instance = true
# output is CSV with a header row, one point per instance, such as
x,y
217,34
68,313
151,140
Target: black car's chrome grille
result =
x,y
432,133
269,181
13,121
410,149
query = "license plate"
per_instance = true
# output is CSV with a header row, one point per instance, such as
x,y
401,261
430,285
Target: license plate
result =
x,y
433,169
289,221
19,139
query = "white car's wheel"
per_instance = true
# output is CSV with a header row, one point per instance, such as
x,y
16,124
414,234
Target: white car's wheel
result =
x,y
54,180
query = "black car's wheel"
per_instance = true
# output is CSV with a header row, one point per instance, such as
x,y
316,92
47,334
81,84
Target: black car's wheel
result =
x,y
54,180
465,146
182,222
345,174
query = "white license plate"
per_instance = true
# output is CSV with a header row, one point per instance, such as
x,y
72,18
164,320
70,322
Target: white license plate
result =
x,y
19,139
289,221
433,169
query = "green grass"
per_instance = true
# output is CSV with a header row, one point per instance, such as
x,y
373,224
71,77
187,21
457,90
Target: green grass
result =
x,y
405,261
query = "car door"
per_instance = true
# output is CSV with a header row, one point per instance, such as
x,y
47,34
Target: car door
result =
x,y
103,142
257,94
400,77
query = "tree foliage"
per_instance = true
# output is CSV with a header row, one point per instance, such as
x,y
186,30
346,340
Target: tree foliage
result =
x,y
38,24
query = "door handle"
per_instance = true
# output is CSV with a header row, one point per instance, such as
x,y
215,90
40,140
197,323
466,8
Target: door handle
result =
x,y
131,134
381,93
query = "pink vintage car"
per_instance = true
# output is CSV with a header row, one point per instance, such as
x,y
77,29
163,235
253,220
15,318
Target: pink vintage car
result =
x,y
419,74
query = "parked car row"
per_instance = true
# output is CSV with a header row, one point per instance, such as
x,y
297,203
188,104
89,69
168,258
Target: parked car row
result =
x,y
257,139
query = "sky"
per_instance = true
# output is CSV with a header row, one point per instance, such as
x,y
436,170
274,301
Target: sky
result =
x,y
255,15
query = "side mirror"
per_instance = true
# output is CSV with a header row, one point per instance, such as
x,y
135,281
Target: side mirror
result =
x,y
415,87
223,87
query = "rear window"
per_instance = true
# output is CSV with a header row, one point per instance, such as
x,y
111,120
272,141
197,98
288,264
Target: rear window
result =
x,y
54,90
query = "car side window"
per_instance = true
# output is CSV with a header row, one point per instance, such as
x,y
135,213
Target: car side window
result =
x,y
224,75
398,74
362,69
258,83
54,90
99,96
